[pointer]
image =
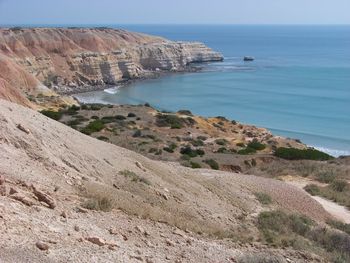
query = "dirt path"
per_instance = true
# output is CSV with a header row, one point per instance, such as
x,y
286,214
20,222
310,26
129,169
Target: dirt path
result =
x,y
339,212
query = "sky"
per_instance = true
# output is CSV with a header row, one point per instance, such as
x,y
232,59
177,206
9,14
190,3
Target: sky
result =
x,y
21,12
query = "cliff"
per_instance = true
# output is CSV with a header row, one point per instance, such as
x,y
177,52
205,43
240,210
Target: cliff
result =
x,y
72,59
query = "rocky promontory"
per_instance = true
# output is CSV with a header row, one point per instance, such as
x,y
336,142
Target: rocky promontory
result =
x,y
67,60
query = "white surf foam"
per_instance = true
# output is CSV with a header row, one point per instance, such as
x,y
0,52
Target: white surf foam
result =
x,y
333,152
113,90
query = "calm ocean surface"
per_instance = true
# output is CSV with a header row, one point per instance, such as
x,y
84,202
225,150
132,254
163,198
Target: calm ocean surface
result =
x,y
298,86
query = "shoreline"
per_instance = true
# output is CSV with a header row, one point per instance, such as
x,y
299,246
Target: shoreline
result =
x,y
331,151
192,68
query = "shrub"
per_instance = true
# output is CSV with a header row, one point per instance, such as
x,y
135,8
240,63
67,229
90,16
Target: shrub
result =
x,y
103,138
195,165
222,150
280,228
173,121
339,185
99,203
96,107
212,163
263,198
94,126
108,119
305,154
191,152
256,145
340,226
185,112
120,117
168,149
55,115
202,138
197,143
326,177
134,177
137,134
131,115
312,189
72,110
240,144
221,141
246,151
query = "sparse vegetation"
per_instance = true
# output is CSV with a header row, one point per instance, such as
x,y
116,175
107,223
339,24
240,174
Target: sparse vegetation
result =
x,y
221,142
195,165
212,163
191,152
55,115
134,177
302,154
173,121
246,151
99,203
263,198
94,126
256,145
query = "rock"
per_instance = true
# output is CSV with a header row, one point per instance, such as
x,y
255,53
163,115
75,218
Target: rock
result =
x,y
3,190
139,165
97,241
13,191
169,243
22,128
22,198
64,214
43,197
2,179
81,210
113,231
42,246
76,228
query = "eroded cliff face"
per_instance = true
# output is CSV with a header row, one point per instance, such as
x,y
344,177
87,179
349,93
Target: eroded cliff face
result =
x,y
71,60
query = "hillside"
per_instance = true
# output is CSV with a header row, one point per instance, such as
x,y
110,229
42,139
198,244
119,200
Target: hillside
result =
x,y
152,210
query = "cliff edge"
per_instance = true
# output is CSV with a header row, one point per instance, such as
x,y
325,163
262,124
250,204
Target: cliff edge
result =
x,y
69,60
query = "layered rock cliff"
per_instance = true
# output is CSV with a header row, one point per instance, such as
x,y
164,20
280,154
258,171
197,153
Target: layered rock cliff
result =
x,y
73,59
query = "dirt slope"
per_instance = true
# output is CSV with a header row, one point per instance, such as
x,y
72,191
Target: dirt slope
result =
x,y
40,157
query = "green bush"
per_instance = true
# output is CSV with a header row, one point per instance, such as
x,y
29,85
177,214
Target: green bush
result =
x,y
256,145
340,226
137,133
221,142
103,138
55,115
246,151
212,163
312,189
278,227
263,198
94,126
191,152
326,177
339,185
195,165
99,203
299,154
131,115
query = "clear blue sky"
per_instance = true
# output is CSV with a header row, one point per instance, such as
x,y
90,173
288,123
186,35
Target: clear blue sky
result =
x,y
175,11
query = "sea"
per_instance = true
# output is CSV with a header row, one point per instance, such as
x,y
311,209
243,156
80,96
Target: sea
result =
x,y
297,87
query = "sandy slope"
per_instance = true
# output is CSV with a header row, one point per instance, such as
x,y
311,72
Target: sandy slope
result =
x,y
57,160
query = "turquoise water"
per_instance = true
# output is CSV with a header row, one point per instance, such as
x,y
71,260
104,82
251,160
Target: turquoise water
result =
x,y
298,86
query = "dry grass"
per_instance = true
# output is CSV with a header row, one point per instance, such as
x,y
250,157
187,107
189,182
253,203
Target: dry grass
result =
x,y
104,198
